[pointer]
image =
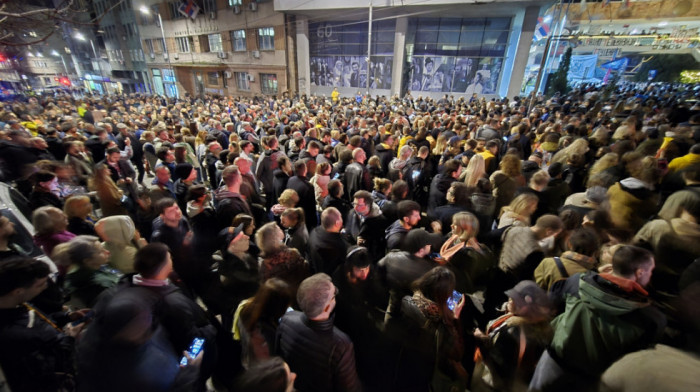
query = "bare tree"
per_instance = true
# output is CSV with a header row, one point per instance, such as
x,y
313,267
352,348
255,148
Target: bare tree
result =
x,y
22,24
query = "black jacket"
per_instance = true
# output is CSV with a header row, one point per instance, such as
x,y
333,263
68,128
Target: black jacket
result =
x,y
307,199
356,179
398,270
279,184
267,163
370,228
385,157
438,191
320,354
326,250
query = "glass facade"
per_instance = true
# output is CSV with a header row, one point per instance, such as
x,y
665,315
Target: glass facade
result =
x,y
460,55
338,52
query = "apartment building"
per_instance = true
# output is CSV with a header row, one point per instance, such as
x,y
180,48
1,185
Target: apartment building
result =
x,y
224,47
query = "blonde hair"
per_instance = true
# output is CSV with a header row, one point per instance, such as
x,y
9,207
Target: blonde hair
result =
x,y
440,145
289,198
476,170
520,204
466,224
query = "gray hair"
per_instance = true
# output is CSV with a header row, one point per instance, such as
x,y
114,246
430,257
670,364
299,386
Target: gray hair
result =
x,y
314,293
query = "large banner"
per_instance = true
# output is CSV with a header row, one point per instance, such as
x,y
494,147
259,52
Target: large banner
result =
x,y
351,71
582,67
465,75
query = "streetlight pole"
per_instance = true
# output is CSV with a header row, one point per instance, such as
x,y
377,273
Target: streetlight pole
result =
x,y
99,67
55,53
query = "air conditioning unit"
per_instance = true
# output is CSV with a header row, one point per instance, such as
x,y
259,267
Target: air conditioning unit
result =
x,y
212,15
251,78
253,6
236,9
165,55
152,55
228,74
256,54
222,55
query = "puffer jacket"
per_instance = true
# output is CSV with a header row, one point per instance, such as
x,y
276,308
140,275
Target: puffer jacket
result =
x,y
320,354
631,204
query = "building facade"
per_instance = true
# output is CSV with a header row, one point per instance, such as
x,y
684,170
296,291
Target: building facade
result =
x,y
430,48
224,47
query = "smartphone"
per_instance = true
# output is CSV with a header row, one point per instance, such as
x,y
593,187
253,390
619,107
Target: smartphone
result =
x,y
454,300
194,350
336,176
415,175
435,255
88,316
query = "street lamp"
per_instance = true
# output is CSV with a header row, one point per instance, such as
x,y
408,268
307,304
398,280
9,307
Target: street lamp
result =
x,y
56,54
146,11
81,37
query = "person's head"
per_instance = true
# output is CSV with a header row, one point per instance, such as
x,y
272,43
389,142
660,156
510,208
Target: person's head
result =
x,y
465,225
547,225
113,155
162,174
185,172
247,221
78,206
45,180
382,185
289,198
524,204
153,261
452,168
409,213
231,176
417,242
300,168
511,165
331,220
362,202
357,263
316,297
169,211
269,238
271,375
437,285
539,180
270,303
583,241
292,217
83,251
335,188
22,278
359,156
634,263
49,220
529,301
399,191
7,228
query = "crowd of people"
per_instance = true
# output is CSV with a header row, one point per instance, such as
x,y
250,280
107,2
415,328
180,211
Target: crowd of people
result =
x,y
354,243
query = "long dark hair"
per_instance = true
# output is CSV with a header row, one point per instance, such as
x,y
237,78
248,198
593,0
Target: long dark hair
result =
x,y
268,304
437,285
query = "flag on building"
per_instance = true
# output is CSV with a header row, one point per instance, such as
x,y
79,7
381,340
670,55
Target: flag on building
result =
x,y
189,9
541,30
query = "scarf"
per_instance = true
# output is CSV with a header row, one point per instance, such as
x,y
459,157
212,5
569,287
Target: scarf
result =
x,y
451,246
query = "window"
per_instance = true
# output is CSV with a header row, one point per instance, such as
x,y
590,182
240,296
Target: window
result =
x,y
183,44
174,12
161,42
232,3
215,44
155,11
149,46
269,83
213,78
238,39
242,81
209,6
266,38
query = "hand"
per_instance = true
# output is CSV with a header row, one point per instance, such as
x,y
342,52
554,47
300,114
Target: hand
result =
x,y
479,334
78,314
188,238
360,241
458,307
73,331
127,141
196,361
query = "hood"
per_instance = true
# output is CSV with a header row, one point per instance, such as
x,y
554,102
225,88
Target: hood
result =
x,y
593,296
685,228
395,228
193,209
381,147
635,183
118,229
397,164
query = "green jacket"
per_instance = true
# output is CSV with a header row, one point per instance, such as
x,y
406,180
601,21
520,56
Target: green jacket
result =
x,y
602,325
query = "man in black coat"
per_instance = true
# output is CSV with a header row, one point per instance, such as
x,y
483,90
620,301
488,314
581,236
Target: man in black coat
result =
x,y
327,244
357,176
229,201
366,225
321,355
385,152
267,163
441,183
307,196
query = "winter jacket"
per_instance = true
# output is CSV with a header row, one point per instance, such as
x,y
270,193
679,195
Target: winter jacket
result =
x,y
356,179
320,354
606,317
398,270
438,192
228,205
547,272
394,235
504,188
370,228
279,184
267,163
632,203
326,250
386,155
307,199
473,269
204,226
85,285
